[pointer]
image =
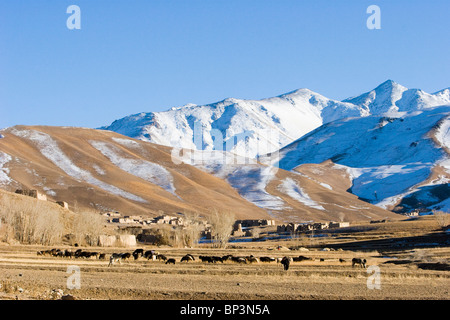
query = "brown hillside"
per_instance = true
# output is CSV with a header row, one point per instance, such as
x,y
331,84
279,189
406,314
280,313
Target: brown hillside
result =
x,y
105,171
31,169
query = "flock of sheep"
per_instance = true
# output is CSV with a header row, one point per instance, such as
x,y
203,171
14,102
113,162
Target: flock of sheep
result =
x,y
153,255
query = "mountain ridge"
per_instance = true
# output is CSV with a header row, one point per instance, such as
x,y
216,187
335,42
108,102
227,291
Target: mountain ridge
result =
x,y
256,127
305,114
388,158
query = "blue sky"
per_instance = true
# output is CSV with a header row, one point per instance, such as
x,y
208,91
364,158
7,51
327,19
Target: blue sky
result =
x,y
141,56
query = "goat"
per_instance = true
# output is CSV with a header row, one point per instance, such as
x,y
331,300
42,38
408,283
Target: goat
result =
x,y
77,253
149,254
227,257
68,253
161,257
300,258
361,262
187,258
206,259
266,259
286,262
138,253
251,259
125,256
217,259
115,257
240,260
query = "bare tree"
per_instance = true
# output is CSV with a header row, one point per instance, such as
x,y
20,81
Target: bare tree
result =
x,y
221,227
255,233
165,235
48,228
87,228
31,222
442,218
193,226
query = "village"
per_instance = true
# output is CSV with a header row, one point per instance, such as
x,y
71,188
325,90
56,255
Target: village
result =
x,y
140,228
244,230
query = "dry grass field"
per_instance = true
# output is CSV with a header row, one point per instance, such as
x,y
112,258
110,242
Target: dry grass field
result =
x,y
412,265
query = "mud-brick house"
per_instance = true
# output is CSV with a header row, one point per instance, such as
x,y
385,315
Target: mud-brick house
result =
x,y
32,193
63,204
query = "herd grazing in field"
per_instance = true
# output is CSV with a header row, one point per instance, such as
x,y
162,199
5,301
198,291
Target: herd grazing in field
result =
x,y
118,257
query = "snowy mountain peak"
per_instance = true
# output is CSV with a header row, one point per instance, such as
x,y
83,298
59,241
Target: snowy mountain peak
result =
x,y
393,99
380,100
390,84
444,94
255,127
299,92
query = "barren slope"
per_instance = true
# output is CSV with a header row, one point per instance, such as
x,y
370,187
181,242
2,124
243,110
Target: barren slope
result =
x,y
104,170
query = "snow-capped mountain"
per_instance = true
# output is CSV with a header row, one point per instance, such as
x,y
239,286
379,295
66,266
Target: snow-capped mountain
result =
x,y
391,142
245,127
388,160
385,149
256,127
393,99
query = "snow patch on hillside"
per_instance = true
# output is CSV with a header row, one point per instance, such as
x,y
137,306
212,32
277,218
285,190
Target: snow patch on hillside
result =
x,y
249,178
292,189
50,149
99,170
245,175
126,142
146,170
251,183
443,206
219,163
443,133
49,191
4,159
